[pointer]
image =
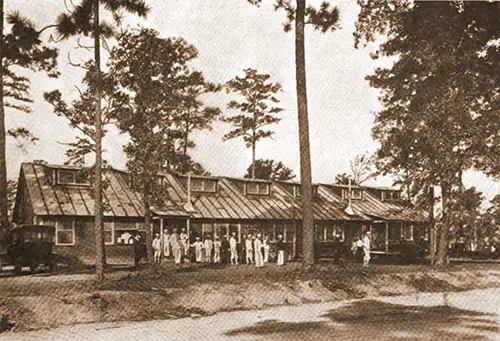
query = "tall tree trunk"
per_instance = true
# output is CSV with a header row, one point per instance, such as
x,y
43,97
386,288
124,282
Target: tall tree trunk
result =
x,y
253,159
442,247
148,221
305,154
4,206
99,229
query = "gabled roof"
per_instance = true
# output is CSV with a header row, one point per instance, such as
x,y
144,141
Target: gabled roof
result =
x,y
228,203
48,198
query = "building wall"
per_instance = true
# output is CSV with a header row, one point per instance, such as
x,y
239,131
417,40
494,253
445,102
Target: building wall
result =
x,y
75,238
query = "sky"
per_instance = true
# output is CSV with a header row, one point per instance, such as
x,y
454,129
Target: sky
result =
x,y
232,35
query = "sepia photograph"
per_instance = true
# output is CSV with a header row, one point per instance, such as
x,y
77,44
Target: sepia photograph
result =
x,y
249,170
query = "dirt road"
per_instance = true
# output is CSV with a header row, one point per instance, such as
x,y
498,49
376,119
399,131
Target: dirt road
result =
x,y
471,315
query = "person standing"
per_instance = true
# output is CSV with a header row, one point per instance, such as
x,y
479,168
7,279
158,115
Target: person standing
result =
x,y
225,250
259,259
166,243
233,248
184,238
175,243
280,245
267,248
248,250
198,247
139,250
208,246
366,248
217,247
359,250
156,248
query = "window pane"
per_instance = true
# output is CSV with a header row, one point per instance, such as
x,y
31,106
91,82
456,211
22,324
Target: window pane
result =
x,y
197,185
252,188
210,186
124,236
280,230
65,224
320,233
208,230
65,237
108,237
264,189
66,177
234,228
82,177
356,193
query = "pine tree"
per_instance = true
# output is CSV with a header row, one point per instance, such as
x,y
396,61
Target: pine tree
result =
x,y
85,20
323,19
256,110
21,48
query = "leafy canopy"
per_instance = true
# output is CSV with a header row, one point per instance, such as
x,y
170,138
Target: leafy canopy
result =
x,y
270,170
256,108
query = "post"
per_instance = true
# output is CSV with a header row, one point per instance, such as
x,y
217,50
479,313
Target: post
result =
x,y
162,242
386,236
294,247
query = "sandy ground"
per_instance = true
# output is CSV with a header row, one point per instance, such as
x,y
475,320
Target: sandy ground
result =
x,y
471,315
41,301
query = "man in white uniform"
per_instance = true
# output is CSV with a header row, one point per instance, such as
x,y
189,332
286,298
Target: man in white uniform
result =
x,y
233,248
184,238
366,248
259,258
248,249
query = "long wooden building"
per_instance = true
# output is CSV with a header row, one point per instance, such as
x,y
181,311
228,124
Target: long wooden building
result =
x,y
62,196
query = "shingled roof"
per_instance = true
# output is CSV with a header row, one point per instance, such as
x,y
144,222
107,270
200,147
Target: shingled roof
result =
x,y
228,202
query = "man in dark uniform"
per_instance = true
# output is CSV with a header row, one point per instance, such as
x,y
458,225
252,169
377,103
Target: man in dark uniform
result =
x,y
225,250
139,250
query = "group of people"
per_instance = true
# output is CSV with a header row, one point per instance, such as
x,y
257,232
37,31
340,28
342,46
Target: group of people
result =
x,y
256,248
361,248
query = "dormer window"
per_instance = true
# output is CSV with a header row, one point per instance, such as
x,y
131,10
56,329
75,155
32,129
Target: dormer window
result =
x,y
257,188
204,185
390,195
356,193
71,177
297,191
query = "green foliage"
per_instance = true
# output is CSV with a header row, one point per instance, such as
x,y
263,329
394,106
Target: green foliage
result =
x,y
256,107
270,170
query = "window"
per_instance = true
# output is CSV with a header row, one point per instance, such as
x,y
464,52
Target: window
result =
x,y
65,232
390,195
122,232
207,230
356,193
235,228
65,176
257,188
71,177
204,185
108,233
320,232
297,191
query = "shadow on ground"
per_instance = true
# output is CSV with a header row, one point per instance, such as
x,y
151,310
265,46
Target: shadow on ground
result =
x,y
375,320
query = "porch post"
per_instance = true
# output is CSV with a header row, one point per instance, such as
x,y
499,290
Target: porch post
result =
x,y
188,228
294,247
161,234
386,236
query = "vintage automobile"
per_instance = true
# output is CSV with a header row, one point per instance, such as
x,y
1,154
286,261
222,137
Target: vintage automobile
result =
x,y
31,246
